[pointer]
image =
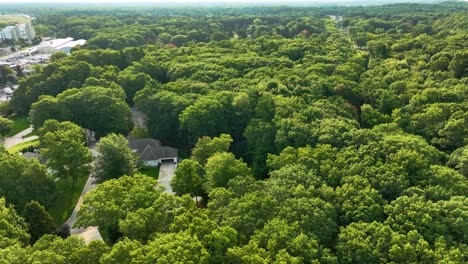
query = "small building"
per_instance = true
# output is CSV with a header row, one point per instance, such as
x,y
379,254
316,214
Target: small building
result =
x,y
151,153
50,46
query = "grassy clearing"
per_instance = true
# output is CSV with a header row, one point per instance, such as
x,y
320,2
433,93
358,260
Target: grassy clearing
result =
x,y
17,148
152,172
67,197
13,19
20,123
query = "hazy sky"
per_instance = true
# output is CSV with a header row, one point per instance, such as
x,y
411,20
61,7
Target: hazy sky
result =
x,y
203,1
181,3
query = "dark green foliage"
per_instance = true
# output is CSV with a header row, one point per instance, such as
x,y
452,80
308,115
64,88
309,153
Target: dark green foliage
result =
x,y
38,219
23,180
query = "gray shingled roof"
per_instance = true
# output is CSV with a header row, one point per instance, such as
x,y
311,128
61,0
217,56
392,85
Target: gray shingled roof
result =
x,y
151,149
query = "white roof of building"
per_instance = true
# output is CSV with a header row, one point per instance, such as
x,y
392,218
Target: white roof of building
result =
x,y
56,42
8,90
72,44
8,28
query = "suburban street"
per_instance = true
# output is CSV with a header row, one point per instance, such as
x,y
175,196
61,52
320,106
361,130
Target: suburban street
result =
x,y
18,138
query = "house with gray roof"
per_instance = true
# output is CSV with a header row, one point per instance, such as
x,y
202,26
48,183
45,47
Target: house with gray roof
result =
x,y
151,152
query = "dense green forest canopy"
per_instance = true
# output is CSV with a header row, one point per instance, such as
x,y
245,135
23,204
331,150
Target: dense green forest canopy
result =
x,y
312,135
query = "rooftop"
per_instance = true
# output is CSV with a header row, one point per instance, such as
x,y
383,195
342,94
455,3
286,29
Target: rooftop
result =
x,y
151,149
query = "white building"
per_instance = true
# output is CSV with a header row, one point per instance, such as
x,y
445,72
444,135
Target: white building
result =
x,y
9,32
19,31
54,45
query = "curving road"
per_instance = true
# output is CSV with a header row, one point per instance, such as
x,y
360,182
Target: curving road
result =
x,y
18,138
89,233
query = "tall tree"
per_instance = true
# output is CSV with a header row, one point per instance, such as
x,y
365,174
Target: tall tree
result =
x,y
13,229
115,158
23,180
206,147
221,167
5,126
39,221
65,150
188,178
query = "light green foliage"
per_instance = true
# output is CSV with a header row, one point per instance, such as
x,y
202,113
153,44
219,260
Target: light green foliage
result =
x,y
23,180
207,147
221,167
13,228
115,158
65,150
52,249
203,119
359,201
115,198
375,243
459,160
5,126
188,178
125,251
176,248
133,206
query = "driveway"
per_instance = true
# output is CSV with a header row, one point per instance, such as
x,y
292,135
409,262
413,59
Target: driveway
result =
x,y
89,233
88,187
166,172
18,138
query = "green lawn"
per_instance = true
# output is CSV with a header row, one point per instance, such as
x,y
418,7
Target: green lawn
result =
x,y
152,172
17,148
20,123
67,197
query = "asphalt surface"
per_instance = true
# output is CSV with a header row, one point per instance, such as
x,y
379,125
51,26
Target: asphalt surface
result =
x,y
89,233
166,172
18,138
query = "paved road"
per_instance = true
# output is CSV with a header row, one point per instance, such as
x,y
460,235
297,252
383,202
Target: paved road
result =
x,y
18,138
166,172
89,233
88,187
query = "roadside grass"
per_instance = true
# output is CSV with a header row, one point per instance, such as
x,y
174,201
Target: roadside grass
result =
x,y
20,123
150,171
17,148
66,198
